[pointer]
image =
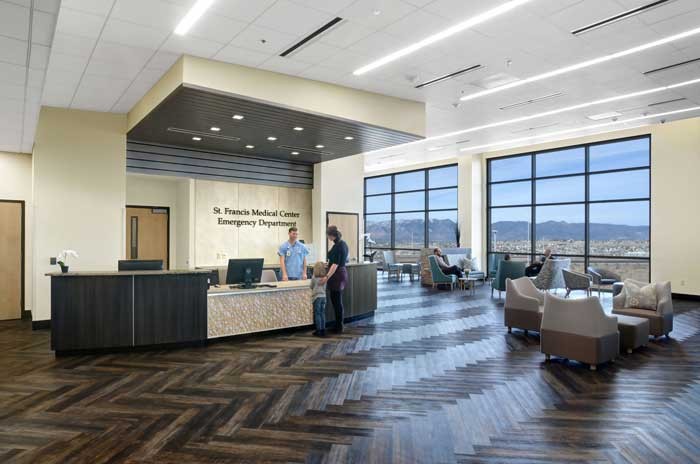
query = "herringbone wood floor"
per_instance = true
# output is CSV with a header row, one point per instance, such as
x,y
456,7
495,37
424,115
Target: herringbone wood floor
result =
x,y
433,377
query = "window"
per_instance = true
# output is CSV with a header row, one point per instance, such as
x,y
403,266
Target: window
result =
x,y
412,210
589,203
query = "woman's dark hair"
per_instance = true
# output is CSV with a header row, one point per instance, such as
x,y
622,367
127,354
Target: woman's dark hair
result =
x,y
333,232
506,257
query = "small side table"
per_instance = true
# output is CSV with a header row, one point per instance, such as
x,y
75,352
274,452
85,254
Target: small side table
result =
x,y
468,283
411,269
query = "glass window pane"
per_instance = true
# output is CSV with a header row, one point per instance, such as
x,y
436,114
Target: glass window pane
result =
x,y
637,269
409,230
561,190
379,228
560,228
409,201
442,227
555,163
442,199
619,229
511,193
510,229
409,181
443,177
519,167
378,204
619,155
378,185
619,185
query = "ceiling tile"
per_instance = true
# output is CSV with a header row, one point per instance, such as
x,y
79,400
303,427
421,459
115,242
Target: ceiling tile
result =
x,y
416,26
314,52
345,34
73,45
63,78
125,33
57,94
264,40
191,46
285,65
99,7
163,60
363,12
14,21
13,51
153,13
43,25
12,73
79,23
243,10
242,56
39,57
36,78
291,18
71,63
217,28
47,6
12,91
329,6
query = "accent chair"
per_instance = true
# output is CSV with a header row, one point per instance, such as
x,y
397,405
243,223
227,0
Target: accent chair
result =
x,y
576,281
523,306
661,319
440,277
507,270
390,265
602,277
550,276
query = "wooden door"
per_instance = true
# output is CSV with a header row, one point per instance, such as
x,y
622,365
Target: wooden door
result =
x,y
348,225
11,259
147,233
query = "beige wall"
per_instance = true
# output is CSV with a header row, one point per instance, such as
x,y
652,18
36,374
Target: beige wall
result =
x,y
184,242
215,244
16,184
79,172
675,197
339,187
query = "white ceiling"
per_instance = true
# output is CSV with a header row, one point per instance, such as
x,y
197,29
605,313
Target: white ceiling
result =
x,y
106,54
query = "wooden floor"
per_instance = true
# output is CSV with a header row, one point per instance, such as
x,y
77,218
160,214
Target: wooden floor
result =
x,y
433,377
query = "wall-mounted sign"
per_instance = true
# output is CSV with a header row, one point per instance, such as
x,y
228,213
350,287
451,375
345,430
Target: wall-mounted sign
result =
x,y
254,217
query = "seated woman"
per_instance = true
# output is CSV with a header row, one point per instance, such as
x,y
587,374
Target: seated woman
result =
x,y
533,269
444,267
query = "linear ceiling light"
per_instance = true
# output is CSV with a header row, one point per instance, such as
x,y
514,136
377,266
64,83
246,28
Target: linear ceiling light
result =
x,y
196,12
580,129
620,16
305,41
449,76
450,31
606,115
583,64
531,101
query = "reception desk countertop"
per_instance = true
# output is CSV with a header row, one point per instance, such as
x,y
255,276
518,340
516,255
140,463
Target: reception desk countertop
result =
x,y
278,286
126,273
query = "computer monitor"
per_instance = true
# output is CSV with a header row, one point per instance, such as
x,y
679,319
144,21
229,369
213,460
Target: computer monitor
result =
x,y
140,264
244,271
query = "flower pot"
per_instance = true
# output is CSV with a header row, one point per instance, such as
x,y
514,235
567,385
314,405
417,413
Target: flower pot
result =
x,y
64,268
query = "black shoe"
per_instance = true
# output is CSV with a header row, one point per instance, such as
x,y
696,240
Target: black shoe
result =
x,y
338,330
319,333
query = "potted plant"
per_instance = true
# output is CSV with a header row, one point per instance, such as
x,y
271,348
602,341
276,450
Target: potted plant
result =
x,y
62,259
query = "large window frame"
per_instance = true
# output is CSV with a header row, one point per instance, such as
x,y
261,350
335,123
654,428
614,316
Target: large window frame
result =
x,y
586,203
426,190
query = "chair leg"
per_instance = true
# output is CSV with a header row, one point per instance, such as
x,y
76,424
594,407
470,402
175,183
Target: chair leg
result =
x,y
568,291
510,330
547,358
525,332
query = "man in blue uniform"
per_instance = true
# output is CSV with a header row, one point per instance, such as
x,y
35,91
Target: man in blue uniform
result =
x,y
292,255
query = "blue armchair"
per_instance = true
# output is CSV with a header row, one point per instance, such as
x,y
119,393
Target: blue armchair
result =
x,y
439,277
507,270
494,259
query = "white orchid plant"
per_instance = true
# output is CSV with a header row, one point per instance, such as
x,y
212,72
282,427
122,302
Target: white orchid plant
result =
x,y
63,256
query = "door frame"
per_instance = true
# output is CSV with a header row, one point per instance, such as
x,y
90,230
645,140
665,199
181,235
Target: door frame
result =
x,y
22,312
343,213
151,208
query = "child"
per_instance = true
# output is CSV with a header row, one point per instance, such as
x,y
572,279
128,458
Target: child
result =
x,y
318,296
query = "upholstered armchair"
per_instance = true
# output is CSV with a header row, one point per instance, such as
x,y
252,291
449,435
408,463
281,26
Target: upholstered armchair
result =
x,y
506,270
390,265
576,281
440,277
661,319
523,307
602,277
578,329
550,276
493,261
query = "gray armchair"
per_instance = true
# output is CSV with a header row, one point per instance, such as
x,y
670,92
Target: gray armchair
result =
x,y
602,277
661,320
391,266
576,281
550,277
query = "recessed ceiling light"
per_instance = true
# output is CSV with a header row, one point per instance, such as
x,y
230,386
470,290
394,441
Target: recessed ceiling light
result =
x,y
377,12
295,153
238,116
349,138
320,146
196,139
215,129
608,115
250,147
272,139
450,31
196,12
583,64
298,128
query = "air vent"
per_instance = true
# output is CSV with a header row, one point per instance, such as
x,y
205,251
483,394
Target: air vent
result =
x,y
621,16
311,36
666,102
305,150
671,66
531,101
449,76
203,134
528,129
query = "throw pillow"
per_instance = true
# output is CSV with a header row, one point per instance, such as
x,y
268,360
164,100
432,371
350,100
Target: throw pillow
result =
x,y
640,296
455,260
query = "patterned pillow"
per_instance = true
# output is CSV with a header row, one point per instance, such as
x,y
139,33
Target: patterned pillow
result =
x,y
640,297
455,260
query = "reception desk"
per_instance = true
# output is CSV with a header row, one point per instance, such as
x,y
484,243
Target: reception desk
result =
x,y
98,311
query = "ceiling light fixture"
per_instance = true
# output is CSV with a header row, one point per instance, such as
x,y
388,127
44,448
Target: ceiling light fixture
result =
x,y
606,115
272,139
298,128
619,17
449,76
196,12
347,137
672,66
250,147
580,129
311,37
320,146
215,129
583,64
237,116
295,153
450,31
196,139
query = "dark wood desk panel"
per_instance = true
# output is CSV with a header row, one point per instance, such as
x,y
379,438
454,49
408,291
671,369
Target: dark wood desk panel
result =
x,y
360,294
170,309
91,312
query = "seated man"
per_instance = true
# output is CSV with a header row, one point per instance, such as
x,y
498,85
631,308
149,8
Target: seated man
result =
x,y
533,269
444,267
